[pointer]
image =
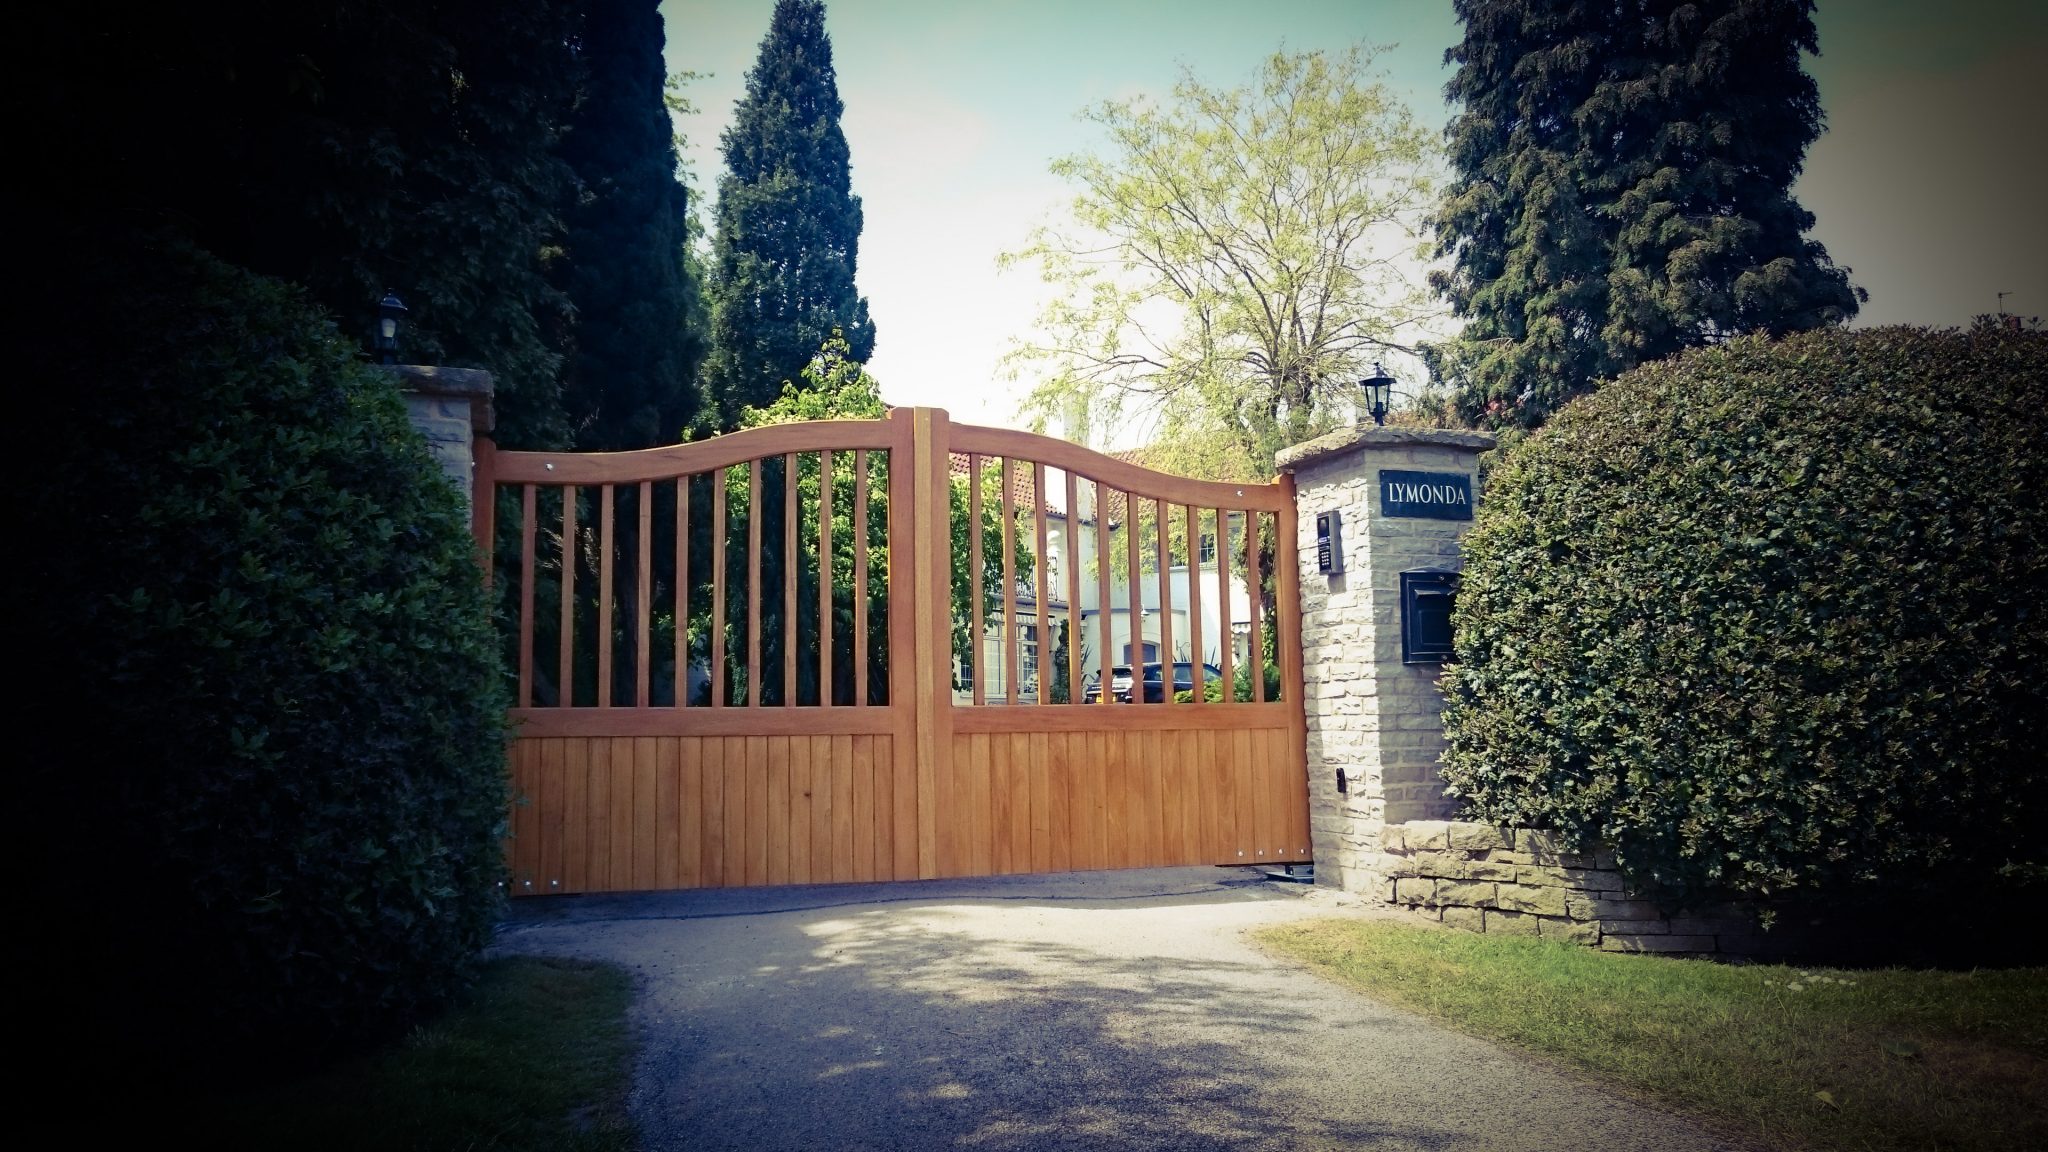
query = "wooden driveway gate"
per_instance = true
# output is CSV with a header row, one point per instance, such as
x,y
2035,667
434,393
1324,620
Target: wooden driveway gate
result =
x,y
819,739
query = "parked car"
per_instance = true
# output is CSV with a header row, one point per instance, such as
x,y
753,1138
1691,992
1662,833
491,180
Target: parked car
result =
x,y
1155,681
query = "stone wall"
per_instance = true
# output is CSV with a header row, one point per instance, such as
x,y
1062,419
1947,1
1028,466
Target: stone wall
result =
x,y
1515,881
1371,717
449,406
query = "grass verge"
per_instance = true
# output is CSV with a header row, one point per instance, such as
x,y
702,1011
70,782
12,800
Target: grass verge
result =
x,y
538,1056
1824,1058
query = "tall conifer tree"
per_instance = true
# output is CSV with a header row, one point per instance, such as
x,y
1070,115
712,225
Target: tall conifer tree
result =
x,y
1622,190
788,224
632,372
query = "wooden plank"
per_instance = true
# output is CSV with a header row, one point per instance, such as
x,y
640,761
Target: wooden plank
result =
x,y
528,511
1009,644
860,579
606,514
1162,529
1120,474
720,695
837,751
1104,659
1104,778
551,722
1073,567
777,868
711,866
825,578
934,613
547,879
977,632
819,830
1140,750
1043,673
643,601
884,760
522,841
1252,584
1172,798
753,694
1038,759
981,845
805,865
1002,850
718,452
736,779
950,799
647,771
1192,827
682,673
565,677
1245,790
575,814
789,567
1228,641
1201,674
1059,789
861,752
625,766
1020,801
903,684
1116,832
690,812
757,810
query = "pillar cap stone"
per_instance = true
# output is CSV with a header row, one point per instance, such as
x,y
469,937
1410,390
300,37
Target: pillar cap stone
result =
x,y
472,384
1346,440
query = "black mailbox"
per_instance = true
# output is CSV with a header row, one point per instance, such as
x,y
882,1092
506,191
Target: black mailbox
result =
x,y
1329,542
1426,598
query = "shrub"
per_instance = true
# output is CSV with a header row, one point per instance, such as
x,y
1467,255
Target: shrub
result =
x,y
281,825
1767,618
1241,688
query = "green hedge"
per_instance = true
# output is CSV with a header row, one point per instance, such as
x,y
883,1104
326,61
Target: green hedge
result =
x,y
280,828
1768,617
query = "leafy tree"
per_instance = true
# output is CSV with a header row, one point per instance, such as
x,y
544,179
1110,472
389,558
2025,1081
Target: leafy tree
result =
x,y
631,379
1622,190
1234,262
352,146
787,231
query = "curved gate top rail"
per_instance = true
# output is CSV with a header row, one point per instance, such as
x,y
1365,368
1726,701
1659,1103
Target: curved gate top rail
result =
x,y
681,724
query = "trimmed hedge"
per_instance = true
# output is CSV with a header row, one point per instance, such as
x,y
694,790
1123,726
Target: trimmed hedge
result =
x,y
1768,617
280,828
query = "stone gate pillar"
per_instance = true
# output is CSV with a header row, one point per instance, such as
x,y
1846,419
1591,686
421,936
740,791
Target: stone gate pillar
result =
x,y
451,407
1403,499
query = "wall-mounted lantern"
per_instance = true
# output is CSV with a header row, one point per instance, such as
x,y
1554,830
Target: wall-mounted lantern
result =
x,y
1379,390
390,311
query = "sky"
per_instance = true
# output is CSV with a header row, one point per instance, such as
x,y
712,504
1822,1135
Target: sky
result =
x,y
1930,184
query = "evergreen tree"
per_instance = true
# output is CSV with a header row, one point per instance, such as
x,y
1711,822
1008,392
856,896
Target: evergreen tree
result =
x,y
1622,190
631,380
787,231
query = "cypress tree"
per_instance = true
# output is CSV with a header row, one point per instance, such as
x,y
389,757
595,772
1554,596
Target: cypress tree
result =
x,y
787,230
631,380
1622,190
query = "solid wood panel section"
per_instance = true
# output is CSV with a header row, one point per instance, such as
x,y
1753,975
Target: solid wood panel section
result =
x,y
1043,674
1251,798
528,512
647,771
1116,833
1059,790
674,460
523,844
1009,639
757,809
1120,474
1173,796
720,694
981,811
884,755
817,830
1020,802
1040,760
778,830
690,810
838,752
1002,850
575,814
866,831
682,675
606,514
565,678
753,694
530,723
978,630
805,865
712,856
824,566
1200,670
789,563
624,763
737,833
860,578
643,601
1099,778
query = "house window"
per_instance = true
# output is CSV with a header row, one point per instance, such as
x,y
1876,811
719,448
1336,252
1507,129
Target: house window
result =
x,y
1027,651
1208,548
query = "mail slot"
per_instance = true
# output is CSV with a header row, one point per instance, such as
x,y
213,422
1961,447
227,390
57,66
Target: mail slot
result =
x,y
1427,595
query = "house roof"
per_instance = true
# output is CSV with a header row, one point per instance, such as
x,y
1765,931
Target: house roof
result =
x,y
1115,503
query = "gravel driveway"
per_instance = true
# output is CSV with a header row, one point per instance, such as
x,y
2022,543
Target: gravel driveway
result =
x,y
1090,1010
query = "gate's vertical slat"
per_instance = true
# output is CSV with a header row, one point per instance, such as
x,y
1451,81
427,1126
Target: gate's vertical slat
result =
x,y
1162,528
1229,642
934,651
682,675
753,694
528,508
565,689
1009,645
1102,631
718,690
1195,653
860,578
642,600
1253,580
1134,599
1044,617
905,689
1073,566
606,514
825,578
789,559
977,635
